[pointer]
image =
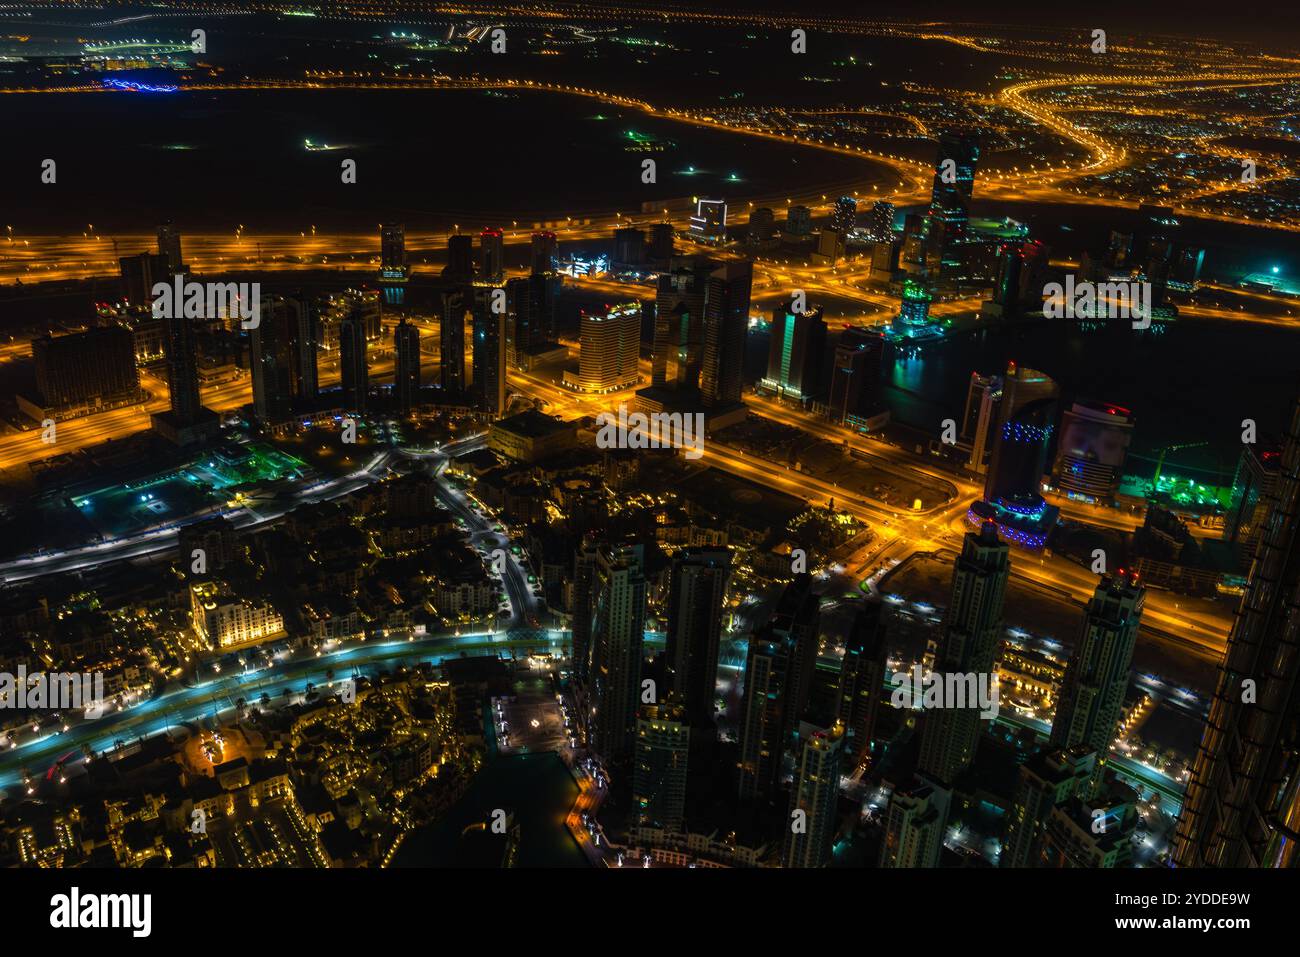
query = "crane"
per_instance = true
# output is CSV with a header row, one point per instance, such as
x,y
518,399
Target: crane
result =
x,y
1160,462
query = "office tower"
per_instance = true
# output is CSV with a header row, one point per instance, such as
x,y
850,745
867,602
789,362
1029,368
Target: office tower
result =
x,y
954,183
972,629
980,419
679,322
86,371
1046,781
455,303
618,599
798,221
1118,250
697,591
545,247
1092,831
460,259
862,676
844,216
492,255
662,236
661,759
778,672
913,255
489,344
629,248
815,793
354,366
139,275
406,366
1091,700
1242,807
180,346
274,359
914,824
1253,486
169,248
335,308
856,375
794,357
1090,455
530,305
726,322
1015,474
1019,276
611,349
1186,275
884,261
762,224
880,228
709,222
393,265
584,568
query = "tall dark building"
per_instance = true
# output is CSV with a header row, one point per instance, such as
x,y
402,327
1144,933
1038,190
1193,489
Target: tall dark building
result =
x,y
455,303
1242,807
180,346
406,366
856,375
1047,781
460,258
954,184
545,248
139,275
778,674
492,255
629,248
972,629
489,344
862,676
283,357
726,322
1091,700
392,252
584,573
618,603
1090,454
815,793
169,247
881,227
661,760
795,350
1019,277
661,242
354,365
697,590
676,355
844,216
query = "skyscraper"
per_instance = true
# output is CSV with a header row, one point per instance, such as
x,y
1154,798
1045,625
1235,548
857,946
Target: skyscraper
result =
x,y
169,247
778,672
489,355
794,356
862,676
954,184
844,216
617,633
680,298
406,366
492,254
980,419
180,346
1019,456
460,258
584,575
629,248
814,796
880,229
1090,454
972,628
86,371
696,591
914,825
1046,781
1242,807
856,374
660,763
1091,700
353,363
726,322
545,247
455,303
283,357
709,222
392,253
611,349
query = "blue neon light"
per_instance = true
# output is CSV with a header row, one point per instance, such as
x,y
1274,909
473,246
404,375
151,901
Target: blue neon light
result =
x,y
133,86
